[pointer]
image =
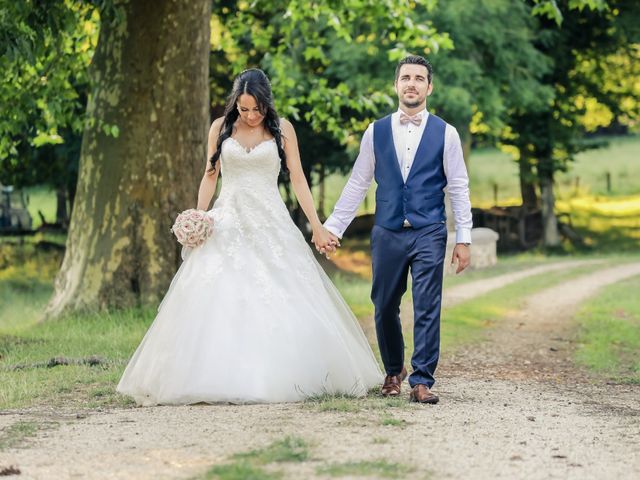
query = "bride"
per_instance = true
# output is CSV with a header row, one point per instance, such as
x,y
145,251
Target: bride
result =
x,y
250,316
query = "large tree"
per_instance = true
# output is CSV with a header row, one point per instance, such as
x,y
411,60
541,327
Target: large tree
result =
x,y
143,150
577,37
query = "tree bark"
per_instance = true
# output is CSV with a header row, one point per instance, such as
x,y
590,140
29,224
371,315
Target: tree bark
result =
x,y
321,191
551,236
527,184
143,151
62,217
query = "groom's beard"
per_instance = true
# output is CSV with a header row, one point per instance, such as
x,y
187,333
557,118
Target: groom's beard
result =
x,y
415,104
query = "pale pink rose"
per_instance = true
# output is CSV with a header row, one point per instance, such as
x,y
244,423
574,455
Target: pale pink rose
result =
x,y
192,227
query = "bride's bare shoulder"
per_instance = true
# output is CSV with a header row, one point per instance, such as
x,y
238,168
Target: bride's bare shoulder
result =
x,y
285,124
216,126
286,127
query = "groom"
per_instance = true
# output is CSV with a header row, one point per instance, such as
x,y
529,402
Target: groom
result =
x,y
413,155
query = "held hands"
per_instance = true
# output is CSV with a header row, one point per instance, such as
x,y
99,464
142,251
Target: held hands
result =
x,y
461,254
325,241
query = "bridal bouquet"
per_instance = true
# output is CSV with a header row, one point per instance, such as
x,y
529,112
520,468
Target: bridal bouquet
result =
x,y
192,227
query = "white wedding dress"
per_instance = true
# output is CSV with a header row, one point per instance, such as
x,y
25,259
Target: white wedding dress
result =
x,y
250,316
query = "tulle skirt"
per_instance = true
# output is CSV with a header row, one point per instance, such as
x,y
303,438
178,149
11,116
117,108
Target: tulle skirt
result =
x,y
250,317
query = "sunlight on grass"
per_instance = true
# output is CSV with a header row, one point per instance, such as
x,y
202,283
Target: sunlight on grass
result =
x,y
463,323
240,471
26,281
609,207
250,465
25,378
289,449
490,168
375,468
609,340
356,292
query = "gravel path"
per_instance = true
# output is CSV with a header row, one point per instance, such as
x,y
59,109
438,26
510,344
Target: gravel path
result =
x,y
513,406
469,290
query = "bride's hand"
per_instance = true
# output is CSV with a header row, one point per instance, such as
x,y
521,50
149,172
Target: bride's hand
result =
x,y
325,241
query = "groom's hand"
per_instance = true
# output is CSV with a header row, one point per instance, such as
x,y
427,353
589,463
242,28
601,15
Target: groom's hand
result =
x,y
325,241
461,254
332,246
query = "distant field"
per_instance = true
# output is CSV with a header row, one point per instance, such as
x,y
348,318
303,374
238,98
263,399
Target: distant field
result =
x,y
41,199
621,159
489,167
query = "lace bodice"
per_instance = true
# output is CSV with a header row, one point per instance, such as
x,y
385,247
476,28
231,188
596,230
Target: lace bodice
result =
x,y
249,214
251,172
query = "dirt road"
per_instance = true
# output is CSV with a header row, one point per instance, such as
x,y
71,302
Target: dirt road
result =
x,y
512,406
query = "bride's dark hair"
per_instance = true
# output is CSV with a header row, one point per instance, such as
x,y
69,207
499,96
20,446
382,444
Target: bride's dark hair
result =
x,y
252,82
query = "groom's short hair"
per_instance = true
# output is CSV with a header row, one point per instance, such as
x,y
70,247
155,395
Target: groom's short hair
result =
x,y
415,60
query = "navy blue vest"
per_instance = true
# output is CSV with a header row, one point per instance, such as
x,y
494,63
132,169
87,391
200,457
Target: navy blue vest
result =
x,y
421,199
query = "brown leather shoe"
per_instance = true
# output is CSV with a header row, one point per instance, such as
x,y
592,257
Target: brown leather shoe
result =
x,y
421,394
391,385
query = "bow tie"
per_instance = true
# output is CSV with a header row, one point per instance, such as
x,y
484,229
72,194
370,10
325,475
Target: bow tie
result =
x,y
415,119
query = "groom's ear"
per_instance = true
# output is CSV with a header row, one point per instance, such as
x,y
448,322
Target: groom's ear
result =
x,y
430,88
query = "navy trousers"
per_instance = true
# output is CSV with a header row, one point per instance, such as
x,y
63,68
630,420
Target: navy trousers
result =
x,y
394,254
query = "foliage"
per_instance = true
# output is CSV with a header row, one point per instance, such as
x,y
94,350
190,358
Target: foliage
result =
x,y
46,48
310,50
331,63
546,140
551,10
491,71
591,56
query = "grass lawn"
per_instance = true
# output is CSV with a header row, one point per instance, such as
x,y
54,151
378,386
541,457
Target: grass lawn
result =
x,y
95,347
609,325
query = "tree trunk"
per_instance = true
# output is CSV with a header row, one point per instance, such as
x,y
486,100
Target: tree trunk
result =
x,y
71,195
551,236
321,191
62,216
527,184
143,151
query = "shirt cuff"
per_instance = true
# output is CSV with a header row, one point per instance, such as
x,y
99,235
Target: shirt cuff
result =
x,y
333,226
463,235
